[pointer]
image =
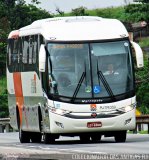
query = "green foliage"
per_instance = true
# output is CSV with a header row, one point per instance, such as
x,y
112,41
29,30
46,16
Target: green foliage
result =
x,y
142,87
144,42
111,12
19,14
3,47
35,1
25,14
143,132
3,106
128,13
81,11
59,11
14,14
3,85
143,1
3,98
137,12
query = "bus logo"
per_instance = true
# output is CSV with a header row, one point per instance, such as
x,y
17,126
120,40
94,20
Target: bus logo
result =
x,y
94,115
93,107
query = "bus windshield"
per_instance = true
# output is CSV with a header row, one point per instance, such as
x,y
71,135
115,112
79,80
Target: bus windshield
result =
x,y
90,70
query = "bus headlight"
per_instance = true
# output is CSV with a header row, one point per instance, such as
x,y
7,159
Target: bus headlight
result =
x,y
127,108
59,111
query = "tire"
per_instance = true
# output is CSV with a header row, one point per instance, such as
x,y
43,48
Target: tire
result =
x,y
36,137
18,117
24,136
49,138
96,137
84,138
120,136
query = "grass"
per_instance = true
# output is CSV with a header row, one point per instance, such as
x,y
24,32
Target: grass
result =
x,y
140,132
143,132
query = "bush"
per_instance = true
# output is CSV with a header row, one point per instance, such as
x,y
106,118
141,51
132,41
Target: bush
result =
x,y
142,87
4,113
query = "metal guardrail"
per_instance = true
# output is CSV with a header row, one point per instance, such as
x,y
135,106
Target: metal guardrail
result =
x,y
4,124
4,121
142,119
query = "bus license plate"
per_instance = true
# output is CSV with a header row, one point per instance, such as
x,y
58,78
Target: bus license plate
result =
x,y
94,124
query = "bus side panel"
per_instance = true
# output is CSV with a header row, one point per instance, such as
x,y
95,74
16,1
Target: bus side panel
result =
x,y
33,98
26,94
11,100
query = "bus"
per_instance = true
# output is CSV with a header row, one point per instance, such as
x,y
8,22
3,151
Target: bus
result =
x,y
72,76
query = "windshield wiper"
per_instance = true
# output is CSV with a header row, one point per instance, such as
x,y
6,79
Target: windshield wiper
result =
x,y
79,84
105,83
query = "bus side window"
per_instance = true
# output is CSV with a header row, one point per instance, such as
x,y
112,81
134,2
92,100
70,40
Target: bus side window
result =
x,y
10,50
25,45
30,49
35,48
13,49
31,46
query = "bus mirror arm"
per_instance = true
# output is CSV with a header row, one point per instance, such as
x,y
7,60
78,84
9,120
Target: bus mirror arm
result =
x,y
42,58
53,84
139,54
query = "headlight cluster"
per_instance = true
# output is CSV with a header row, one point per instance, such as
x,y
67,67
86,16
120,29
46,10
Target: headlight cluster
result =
x,y
59,111
127,108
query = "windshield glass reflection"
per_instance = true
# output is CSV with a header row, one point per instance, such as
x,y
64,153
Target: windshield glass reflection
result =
x,y
90,70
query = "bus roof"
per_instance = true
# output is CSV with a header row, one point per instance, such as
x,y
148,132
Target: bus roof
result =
x,y
76,28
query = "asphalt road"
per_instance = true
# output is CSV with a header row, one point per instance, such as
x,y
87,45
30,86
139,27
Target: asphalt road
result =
x,y
136,147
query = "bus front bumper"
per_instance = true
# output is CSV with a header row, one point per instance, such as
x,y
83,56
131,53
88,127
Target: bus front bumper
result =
x,y
61,124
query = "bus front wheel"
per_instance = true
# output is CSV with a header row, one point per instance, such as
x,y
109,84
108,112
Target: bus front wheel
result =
x,y
120,136
48,138
24,136
96,137
36,137
84,138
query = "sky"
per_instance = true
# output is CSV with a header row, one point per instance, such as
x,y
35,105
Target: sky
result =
x,y
68,5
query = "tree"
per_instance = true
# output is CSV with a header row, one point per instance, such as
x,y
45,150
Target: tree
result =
x,y
20,14
142,86
4,29
14,14
59,11
137,12
35,1
3,106
25,14
81,11
143,1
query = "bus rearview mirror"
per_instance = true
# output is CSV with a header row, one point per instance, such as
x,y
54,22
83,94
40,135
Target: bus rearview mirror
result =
x,y
139,54
42,58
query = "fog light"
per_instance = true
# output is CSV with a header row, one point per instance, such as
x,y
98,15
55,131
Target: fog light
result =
x,y
59,124
127,121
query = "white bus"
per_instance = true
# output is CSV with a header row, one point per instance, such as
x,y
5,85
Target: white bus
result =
x,y
72,76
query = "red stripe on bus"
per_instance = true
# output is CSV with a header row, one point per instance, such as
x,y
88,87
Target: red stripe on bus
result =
x,y
35,77
19,94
